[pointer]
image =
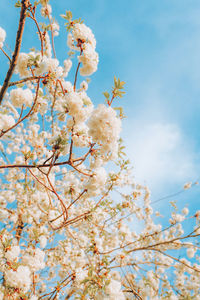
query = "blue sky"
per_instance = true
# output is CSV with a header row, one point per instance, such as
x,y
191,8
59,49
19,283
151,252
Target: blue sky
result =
x,y
155,47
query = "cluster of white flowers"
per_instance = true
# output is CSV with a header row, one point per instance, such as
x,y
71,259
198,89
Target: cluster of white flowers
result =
x,y
83,33
21,97
80,135
20,278
13,253
70,209
67,67
6,122
83,39
114,290
2,36
104,127
22,65
89,60
34,259
46,10
55,28
191,250
97,181
48,65
39,64
84,85
47,45
78,105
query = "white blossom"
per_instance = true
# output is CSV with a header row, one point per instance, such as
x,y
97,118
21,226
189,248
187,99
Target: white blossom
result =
x,y
191,251
22,65
104,127
47,44
55,28
84,33
114,290
43,241
73,219
46,10
34,259
6,122
89,60
47,65
21,97
2,36
19,279
67,67
13,253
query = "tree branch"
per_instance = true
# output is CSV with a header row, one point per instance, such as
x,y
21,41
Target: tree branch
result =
x,y
25,80
25,4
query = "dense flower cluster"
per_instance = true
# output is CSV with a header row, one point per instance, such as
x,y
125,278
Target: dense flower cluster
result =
x,y
19,278
104,127
6,122
74,224
22,65
21,97
82,38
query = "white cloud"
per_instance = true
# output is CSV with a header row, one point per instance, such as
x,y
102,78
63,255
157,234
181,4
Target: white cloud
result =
x,y
161,155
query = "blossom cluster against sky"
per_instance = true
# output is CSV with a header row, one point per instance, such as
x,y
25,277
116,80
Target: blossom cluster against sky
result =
x,y
155,47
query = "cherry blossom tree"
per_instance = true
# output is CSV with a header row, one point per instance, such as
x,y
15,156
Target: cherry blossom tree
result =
x,y
74,223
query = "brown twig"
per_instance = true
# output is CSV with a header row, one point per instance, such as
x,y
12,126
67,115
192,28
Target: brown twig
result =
x,y
38,180
6,55
80,195
39,31
34,166
44,165
53,160
64,209
22,109
178,260
75,80
20,226
64,91
25,80
24,6
52,107
83,158
80,171
71,144
62,283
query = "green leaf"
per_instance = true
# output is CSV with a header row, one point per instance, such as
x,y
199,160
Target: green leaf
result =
x,y
63,16
86,102
71,53
36,3
107,95
67,16
88,80
18,4
115,81
121,112
119,94
45,27
78,21
118,84
122,84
